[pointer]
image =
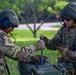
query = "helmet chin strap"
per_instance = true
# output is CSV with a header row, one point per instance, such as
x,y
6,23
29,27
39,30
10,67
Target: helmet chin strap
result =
x,y
11,35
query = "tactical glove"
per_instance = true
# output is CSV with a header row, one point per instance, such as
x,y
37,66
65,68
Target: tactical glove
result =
x,y
45,39
64,51
36,58
39,45
52,43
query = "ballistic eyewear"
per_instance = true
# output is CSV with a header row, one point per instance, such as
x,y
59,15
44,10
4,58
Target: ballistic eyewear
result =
x,y
66,18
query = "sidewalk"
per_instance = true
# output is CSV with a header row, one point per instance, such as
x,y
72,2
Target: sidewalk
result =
x,y
50,28
45,26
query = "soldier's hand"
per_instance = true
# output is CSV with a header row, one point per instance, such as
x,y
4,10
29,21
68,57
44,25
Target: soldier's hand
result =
x,y
39,45
63,50
36,58
45,39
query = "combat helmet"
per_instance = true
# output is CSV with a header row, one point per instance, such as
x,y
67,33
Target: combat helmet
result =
x,y
8,18
69,10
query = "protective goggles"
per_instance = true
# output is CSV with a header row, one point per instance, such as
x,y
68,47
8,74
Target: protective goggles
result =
x,y
66,18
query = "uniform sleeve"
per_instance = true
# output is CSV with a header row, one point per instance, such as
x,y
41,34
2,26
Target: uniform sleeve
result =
x,y
69,53
12,51
72,51
55,41
72,54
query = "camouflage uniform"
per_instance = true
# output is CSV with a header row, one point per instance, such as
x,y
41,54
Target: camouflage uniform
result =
x,y
66,36
14,52
65,39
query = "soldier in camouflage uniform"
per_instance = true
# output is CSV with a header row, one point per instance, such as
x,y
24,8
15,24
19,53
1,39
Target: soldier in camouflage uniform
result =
x,y
9,21
65,39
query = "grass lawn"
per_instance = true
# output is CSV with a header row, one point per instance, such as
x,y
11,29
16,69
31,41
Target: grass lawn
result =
x,y
57,26
25,38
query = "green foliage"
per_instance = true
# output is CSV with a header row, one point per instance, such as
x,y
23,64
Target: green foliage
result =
x,y
39,9
17,6
49,9
59,6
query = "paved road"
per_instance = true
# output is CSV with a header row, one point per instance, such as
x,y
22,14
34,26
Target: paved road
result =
x,y
45,26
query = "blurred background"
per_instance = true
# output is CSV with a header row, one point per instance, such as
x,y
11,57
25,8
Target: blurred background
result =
x,y
38,10
35,11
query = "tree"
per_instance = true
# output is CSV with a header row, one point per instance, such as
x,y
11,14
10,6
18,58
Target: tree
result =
x,y
37,7
58,6
33,11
